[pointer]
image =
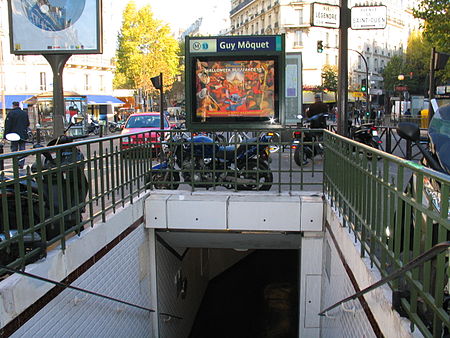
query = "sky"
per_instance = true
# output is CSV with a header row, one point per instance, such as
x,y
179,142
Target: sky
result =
x,y
180,14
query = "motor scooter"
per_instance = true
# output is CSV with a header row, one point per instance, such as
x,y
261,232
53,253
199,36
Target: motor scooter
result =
x,y
93,127
35,202
306,144
366,133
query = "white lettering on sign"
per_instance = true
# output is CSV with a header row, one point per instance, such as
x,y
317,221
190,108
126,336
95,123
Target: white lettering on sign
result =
x,y
227,45
253,45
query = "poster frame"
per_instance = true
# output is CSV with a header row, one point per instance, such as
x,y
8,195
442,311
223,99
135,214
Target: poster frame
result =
x,y
17,34
213,53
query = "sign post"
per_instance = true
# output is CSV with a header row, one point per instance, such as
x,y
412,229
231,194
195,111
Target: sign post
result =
x,y
56,32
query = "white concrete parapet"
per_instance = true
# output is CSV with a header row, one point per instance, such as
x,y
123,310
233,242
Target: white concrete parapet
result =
x,y
243,211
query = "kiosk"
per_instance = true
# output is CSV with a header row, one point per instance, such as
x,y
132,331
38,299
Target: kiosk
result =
x,y
235,82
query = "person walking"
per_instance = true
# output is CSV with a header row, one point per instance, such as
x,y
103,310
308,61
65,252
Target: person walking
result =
x,y
17,122
318,107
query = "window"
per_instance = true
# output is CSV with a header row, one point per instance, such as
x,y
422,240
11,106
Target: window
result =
x,y
299,14
327,39
43,81
102,83
86,82
298,39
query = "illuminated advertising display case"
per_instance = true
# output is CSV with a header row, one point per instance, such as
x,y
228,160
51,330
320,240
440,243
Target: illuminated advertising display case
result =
x,y
235,82
55,26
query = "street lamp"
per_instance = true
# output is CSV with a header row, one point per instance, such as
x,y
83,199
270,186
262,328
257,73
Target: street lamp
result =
x,y
401,77
368,107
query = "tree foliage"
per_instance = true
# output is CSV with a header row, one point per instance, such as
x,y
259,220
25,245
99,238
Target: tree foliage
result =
x,y
330,77
393,69
436,25
436,16
414,65
417,63
146,48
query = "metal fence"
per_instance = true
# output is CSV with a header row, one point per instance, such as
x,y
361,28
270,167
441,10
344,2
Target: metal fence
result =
x,y
71,186
66,188
397,209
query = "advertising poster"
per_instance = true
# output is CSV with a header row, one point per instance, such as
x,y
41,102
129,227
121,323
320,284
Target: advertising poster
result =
x,y
55,26
235,89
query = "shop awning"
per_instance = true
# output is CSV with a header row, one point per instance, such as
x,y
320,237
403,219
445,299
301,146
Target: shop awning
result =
x,y
9,99
103,99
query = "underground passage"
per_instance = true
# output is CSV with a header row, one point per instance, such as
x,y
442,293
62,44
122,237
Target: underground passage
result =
x,y
257,297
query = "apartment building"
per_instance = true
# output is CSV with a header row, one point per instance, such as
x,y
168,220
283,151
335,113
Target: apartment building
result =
x,y
29,75
293,18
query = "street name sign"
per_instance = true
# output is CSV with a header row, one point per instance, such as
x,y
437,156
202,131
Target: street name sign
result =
x,y
369,17
324,15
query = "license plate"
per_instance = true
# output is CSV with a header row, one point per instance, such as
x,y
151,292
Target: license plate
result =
x,y
374,133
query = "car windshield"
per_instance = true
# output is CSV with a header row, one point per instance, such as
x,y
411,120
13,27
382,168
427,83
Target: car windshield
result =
x,y
145,121
440,134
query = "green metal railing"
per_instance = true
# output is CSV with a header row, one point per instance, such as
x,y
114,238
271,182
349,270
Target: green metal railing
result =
x,y
397,209
111,173
380,196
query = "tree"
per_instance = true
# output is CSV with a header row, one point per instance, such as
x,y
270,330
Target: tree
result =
x,y
436,25
330,79
145,49
436,16
417,63
393,69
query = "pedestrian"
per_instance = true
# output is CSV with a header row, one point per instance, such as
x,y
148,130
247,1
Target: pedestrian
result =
x,y
318,107
17,122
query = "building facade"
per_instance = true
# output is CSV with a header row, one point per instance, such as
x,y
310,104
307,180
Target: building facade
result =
x,y
29,75
292,18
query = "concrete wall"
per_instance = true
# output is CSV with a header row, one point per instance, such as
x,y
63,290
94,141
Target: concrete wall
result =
x,y
182,282
122,273
350,320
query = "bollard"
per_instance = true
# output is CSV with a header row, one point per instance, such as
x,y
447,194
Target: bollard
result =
x,y
38,136
2,166
408,150
388,148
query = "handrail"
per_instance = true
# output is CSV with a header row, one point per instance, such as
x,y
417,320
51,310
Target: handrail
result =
x,y
67,286
427,255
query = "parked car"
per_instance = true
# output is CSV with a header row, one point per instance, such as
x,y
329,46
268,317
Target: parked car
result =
x,y
143,123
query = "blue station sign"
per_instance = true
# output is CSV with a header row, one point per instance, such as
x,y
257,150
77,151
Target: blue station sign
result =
x,y
237,44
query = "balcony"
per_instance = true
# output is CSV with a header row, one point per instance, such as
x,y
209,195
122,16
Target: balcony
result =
x,y
240,6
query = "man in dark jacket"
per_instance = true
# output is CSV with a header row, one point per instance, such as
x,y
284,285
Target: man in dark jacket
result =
x,y
316,108
17,122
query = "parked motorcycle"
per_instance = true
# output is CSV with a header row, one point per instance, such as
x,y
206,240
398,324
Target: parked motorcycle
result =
x,y
204,162
366,133
25,211
93,127
309,145
115,126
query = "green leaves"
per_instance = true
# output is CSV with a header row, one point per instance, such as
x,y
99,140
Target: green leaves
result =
x,y
146,47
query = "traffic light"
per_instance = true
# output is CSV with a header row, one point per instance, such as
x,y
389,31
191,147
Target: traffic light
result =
x,y
364,85
319,46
